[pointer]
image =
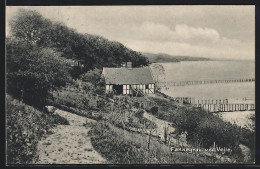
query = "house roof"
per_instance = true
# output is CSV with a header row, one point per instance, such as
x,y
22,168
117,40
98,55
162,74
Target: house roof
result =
x,y
121,76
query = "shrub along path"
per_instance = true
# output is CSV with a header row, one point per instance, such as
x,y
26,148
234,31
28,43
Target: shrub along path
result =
x,y
69,144
160,130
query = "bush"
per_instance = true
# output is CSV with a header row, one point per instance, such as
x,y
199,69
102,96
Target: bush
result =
x,y
139,113
25,127
109,95
33,72
154,110
123,147
212,130
77,98
85,103
247,138
87,87
59,120
203,129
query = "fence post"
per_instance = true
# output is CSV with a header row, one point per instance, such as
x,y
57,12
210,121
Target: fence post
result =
x,y
246,106
252,107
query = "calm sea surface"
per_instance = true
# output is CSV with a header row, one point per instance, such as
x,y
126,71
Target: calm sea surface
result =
x,y
212,70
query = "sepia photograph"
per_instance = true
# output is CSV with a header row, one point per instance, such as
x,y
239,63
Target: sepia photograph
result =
x,y
130,84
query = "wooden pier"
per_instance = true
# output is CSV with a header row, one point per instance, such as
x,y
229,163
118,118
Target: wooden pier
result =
x,y
226,107
192,100
215,105
185,83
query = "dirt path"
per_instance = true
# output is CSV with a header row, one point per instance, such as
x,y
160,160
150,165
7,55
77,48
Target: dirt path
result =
x,y
69,144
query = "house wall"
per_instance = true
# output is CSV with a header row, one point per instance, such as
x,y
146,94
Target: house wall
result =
x,y
148,88
127,89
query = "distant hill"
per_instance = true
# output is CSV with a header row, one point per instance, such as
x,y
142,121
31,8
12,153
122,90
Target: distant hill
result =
x,y
162,57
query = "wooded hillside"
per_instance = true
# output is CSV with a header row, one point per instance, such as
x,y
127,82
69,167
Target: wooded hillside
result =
x,y
162,57
40,51
93,51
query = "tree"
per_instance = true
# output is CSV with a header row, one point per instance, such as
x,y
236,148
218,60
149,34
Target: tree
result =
x,y
159,75
29,26
95,77
90,50
32,72
92,76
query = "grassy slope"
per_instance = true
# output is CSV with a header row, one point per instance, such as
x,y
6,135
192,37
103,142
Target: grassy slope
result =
x,y
72,99
128,149
25,127
123,147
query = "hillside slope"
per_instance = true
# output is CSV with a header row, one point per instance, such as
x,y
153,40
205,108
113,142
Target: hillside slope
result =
x,y
25,126
93,51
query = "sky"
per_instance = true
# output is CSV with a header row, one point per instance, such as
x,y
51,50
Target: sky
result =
x,y
226,31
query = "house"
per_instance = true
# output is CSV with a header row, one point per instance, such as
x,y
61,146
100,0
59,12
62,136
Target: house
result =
x,y
128,80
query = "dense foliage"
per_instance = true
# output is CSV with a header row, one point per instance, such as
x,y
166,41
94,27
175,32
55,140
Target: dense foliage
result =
x,y
94,81
82,98
38,54
25,126
92,51
203,129
43,55
32,72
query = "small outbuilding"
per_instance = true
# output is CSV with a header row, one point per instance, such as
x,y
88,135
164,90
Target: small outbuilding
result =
x,y
127,80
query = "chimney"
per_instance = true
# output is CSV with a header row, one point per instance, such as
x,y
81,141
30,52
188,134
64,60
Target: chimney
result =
x,y
129,65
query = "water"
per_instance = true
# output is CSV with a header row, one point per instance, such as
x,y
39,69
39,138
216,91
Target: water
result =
x,y
241,118
212,70
209,70
215,70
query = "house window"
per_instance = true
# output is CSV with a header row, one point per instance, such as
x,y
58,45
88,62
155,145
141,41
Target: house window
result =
x,y
109,87
126,89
